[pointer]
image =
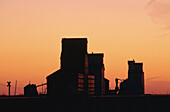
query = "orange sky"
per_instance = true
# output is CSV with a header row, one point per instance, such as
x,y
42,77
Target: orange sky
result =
x,y
31,33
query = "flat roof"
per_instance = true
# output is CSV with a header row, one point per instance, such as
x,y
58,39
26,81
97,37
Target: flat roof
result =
x,y
74,38
96,54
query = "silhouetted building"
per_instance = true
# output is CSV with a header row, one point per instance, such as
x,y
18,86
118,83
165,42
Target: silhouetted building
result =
x,y
90,84
106,86
56,84
74,55
30,90
134,85
96,68
74,61
80,73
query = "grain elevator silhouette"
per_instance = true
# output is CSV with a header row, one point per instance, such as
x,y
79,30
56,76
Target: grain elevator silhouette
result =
x,y
80,73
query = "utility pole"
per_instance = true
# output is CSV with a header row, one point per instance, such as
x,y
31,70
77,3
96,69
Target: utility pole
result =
x,y
9,85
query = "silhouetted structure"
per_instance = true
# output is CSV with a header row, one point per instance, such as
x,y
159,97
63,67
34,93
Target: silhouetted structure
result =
x,y
80,73
106,86
117,87
74,61
134,85
30,90
96,68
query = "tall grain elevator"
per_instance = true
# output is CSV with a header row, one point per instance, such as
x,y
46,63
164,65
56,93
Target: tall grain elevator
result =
x,y
73,62
134,85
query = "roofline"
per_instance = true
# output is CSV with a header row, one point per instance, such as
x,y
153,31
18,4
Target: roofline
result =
x,y
96,54
74,39
53,73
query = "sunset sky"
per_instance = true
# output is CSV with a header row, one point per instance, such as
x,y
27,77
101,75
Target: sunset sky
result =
x,y
31,33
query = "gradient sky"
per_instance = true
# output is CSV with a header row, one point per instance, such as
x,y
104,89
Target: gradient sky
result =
x,y
31,33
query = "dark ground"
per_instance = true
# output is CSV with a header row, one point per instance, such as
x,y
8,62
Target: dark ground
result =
x,y
146,103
